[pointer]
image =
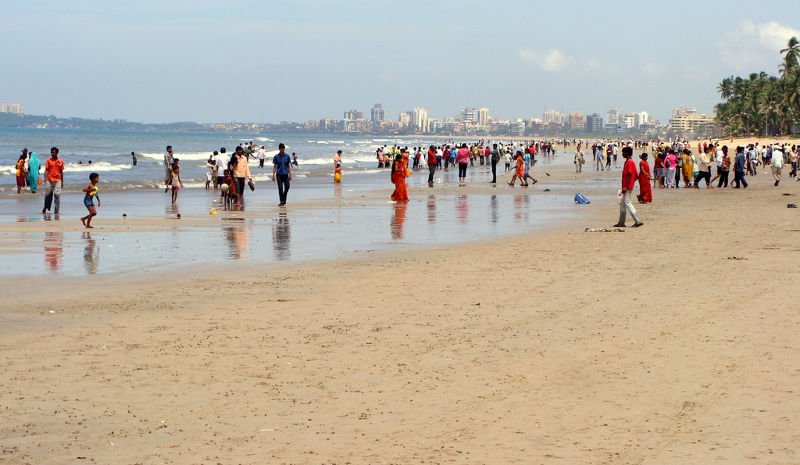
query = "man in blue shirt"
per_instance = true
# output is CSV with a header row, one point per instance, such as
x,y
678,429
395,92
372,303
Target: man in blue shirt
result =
x,y
282,171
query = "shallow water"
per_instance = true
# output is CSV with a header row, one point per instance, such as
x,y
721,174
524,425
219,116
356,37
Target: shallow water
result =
x,y
322,222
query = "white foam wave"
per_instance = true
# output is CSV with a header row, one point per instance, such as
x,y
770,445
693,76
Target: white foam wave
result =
x,y
179,155
99,167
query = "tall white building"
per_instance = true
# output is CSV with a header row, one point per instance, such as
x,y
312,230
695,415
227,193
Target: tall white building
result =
x,y
629,121
469,115
15,108
552,116
419,119
483,117
642,118
612,117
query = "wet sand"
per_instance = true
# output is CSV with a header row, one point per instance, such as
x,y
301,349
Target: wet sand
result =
x,y
672,343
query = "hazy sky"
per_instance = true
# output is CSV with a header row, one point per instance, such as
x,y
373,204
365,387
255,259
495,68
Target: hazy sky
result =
x,y
267,61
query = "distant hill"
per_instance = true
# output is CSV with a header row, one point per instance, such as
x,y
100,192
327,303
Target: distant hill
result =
x,y
11,120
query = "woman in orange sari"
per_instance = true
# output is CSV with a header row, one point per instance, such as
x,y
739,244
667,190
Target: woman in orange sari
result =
x,y
399,167
645,190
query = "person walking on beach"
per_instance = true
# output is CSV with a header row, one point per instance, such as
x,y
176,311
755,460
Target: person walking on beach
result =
x,y
704,168
463,158
645,191
91,191
33,172
54,174
433,162
168,159
777,164
529,162
175,180
628,183
20,172
519,170
739,168
687,168
282,172
241,171
495,157
261,155
398,176
337,167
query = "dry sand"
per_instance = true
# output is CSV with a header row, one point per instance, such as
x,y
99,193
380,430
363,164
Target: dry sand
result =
x,y
676,343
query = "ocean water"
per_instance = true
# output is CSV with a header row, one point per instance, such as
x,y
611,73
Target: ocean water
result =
x,y
109,153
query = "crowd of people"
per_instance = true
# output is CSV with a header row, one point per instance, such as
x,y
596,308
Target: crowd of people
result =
x,y
675,164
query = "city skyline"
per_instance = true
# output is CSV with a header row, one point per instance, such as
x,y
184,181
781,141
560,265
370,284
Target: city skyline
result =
x,y
270,61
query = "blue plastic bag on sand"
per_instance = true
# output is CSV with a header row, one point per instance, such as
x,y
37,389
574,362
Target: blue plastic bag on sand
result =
x,y
580,199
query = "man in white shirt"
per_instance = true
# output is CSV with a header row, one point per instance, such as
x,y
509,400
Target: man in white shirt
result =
x,y
261,154
777,163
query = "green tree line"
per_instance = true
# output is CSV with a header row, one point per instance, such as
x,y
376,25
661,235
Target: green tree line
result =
x,y
760,104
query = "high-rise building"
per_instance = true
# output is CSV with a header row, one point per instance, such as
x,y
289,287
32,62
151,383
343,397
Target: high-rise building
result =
x,y
405,118
612,117
6,107
353,115
629,120
552,116
469,115
642,118
483,117
419,119
376,114
577,121
594,123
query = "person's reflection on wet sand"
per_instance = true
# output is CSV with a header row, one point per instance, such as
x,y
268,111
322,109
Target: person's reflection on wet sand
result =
x,y
462,210
398,219
53,249
281,236
91,254
237,237
431,209
495,211
521,202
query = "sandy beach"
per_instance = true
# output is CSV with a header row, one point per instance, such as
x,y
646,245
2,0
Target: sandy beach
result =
x,y
674,343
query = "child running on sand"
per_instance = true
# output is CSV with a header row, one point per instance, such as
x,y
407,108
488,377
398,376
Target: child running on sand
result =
x,y
91,190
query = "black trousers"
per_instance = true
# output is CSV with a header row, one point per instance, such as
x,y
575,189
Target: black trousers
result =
x,y
431,171
283,186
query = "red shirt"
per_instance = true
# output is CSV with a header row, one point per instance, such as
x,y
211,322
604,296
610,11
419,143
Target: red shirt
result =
x,y
629,175
53,169
432,157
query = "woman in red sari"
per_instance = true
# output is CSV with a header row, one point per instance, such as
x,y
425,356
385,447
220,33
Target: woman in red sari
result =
x,y
645,191
399,167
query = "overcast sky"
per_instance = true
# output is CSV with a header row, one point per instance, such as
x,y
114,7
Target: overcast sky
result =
x,y
267,61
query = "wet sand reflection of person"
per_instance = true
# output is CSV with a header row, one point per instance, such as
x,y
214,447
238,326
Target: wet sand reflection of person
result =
x,y
237,236
462,210
91,254
53,250
521,202
281,237
431,209
495,210
398,219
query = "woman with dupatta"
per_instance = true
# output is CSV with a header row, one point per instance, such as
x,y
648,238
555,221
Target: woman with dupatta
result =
x,y
399,173
645,191
33,171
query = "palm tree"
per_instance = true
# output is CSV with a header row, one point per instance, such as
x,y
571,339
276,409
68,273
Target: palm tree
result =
x,y
725,88
791,55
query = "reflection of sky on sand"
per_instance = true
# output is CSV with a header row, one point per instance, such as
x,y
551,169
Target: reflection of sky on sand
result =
x,y
348,222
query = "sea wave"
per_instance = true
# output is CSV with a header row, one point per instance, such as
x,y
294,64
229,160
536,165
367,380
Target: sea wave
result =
x,y
99,167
